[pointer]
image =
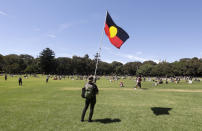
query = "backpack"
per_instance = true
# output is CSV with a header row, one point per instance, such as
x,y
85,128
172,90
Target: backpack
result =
x,y
88,91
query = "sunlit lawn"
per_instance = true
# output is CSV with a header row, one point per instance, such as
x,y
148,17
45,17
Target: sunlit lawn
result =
x,y
57,105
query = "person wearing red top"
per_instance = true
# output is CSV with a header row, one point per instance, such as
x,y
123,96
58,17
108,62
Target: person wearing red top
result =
x,y
138,80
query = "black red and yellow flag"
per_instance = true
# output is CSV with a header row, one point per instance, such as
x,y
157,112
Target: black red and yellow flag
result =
x,y
116,34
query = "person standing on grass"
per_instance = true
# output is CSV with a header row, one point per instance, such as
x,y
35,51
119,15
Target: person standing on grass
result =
x,y
90,95
47,79
5,76
20,81
138,84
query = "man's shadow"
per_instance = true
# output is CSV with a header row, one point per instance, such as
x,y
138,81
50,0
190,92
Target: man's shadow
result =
x,y
107,120
161,110
144,88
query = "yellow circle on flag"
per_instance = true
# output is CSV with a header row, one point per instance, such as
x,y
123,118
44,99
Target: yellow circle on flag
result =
x,y
113,31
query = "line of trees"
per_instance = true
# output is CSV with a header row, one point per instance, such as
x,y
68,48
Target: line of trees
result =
x,y
46,63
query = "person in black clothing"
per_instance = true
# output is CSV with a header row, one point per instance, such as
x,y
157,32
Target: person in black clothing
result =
x,y
20,81
5,76
90,101
47,79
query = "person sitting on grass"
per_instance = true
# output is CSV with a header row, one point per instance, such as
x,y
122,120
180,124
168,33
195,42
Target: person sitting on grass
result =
x,y
155,83
121,84
160,81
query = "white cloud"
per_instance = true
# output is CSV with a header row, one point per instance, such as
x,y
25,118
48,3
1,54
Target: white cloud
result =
x,y
130,56
136,58
37,29
139,53
3,13
66,26
108,61
200,54
51,35
63,27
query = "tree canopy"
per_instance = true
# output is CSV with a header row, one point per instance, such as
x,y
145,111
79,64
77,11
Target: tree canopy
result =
x,y
48,64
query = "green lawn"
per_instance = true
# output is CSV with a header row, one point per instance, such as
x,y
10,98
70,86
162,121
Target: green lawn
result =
x,y
58,106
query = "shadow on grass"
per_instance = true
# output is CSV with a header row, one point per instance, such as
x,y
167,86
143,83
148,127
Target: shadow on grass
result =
x,y
143,88
161,110
107,120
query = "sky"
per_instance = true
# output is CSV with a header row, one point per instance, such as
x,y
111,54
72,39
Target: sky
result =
x,y
158,29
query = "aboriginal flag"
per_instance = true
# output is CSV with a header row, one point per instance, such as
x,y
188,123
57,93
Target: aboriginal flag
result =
x,y
116,35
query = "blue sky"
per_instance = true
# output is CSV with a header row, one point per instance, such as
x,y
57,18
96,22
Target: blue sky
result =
x,y
158,29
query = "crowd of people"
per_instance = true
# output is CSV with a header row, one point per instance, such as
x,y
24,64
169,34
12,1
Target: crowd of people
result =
x,y
90,89
138,80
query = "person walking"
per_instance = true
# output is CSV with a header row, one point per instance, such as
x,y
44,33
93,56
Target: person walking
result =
x,y
90,98
138,84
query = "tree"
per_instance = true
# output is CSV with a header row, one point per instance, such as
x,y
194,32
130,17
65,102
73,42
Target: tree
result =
x,y
12,64
89,65
145,70
199,71
64,65
130,68
149,62
162,69
104,68
117,68
47,61
28,59
34,67
1,62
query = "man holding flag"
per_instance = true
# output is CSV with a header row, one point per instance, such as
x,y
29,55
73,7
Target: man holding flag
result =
x,y
117,37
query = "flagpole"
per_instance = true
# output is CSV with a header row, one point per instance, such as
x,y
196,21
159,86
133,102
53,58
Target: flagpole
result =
x,y
99,50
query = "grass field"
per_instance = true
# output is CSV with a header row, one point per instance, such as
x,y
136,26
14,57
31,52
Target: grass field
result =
x,y
57,106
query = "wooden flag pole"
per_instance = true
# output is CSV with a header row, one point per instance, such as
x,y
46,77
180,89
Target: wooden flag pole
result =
x,y
99,51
